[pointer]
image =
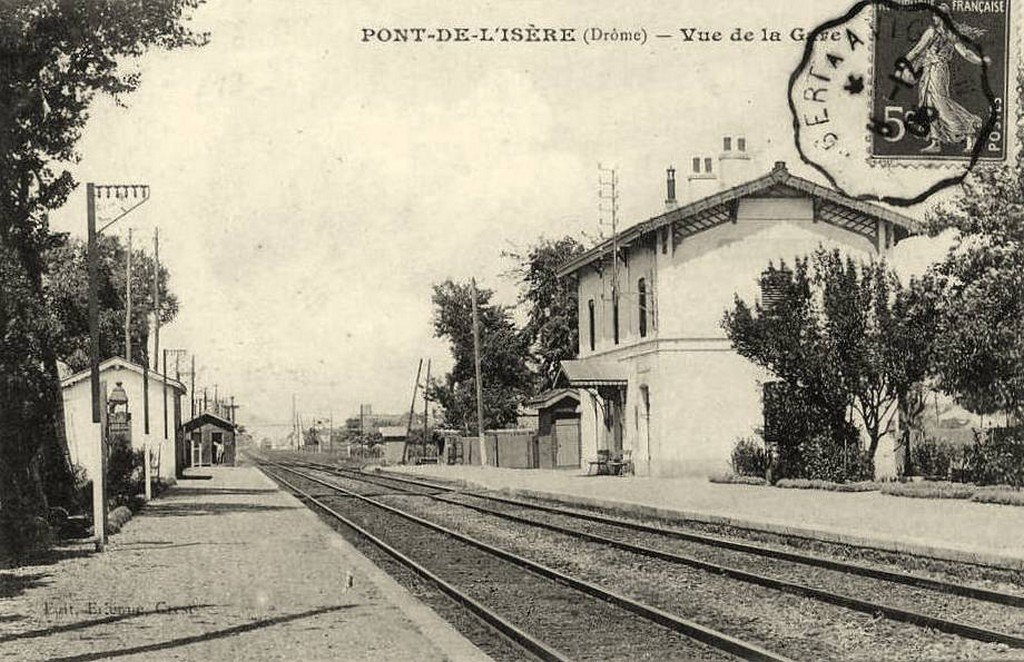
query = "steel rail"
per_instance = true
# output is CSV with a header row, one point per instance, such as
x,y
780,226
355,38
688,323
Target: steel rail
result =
x,y
686,627
848,567
518,636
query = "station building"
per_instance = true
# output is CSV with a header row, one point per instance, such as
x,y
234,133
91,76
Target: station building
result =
x,y
656,375
207,440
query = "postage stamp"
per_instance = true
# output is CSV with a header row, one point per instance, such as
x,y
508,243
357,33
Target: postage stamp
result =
x,y
903,83
927,64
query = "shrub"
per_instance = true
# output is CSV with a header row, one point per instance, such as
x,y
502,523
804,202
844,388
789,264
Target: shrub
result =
x,y
749,457
737,479
836,460
930,490
934,458
996,457
125,472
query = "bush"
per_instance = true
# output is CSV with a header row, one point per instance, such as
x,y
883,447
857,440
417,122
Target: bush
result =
x,y
934,458
926,489
749,457
125,473
835,460
737,479
996,458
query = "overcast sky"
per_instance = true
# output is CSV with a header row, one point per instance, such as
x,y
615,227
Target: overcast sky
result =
x,y
309,188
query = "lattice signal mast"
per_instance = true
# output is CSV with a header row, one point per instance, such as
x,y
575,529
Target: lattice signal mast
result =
x,y
608,207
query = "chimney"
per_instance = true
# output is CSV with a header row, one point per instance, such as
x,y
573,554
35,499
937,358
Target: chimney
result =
x,y
670,189
702,181
734,162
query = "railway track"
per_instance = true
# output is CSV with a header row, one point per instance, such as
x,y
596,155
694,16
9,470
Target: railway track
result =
x,y
549,614
608,531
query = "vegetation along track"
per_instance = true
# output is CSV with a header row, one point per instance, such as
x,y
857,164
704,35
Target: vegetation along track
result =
x,y
898,596
549,614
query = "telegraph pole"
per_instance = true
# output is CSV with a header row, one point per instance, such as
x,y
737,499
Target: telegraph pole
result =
x,y
192,391
128,302
412,409
156,298
479,382
94,304
609,181
426,403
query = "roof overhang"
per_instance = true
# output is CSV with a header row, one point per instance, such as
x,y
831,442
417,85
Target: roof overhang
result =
x,y
208,418
592,374
117,363
550,398
720,208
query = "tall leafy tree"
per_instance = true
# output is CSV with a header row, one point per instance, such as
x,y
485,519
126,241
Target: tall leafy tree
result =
x,y
55,57
507,378
67,292
552,314
842,335
979,357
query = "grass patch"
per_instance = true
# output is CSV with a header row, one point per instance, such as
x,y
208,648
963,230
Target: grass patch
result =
x,y
736,479
827,485
927,489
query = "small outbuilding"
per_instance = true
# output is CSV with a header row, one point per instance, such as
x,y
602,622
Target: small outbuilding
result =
x,y
207,440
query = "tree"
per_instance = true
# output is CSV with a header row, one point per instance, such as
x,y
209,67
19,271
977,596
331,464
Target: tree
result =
x,y
979,357
503,355
66,286
842,335
552,308
55,57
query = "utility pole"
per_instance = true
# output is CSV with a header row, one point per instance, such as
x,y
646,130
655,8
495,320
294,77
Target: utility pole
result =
x,y
192,390
206,405
295,423
412,409
426,403
479,382
128,302
156,298
608,179
94,304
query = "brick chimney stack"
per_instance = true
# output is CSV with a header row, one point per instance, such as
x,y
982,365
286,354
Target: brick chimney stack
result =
x,y
670,189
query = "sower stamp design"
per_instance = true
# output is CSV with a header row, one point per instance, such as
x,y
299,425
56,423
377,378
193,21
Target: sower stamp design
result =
x,y
935,76
881,80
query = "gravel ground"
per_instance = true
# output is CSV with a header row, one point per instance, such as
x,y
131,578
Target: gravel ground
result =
x,y
799,627
224,569
984,614
580,626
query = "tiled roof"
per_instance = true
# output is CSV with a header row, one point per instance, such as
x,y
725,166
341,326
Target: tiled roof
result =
x,y
779,176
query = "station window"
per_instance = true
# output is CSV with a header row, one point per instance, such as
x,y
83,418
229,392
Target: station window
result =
x,y
727,143
707,165
641,290
696,164
590,313
615,318
741,144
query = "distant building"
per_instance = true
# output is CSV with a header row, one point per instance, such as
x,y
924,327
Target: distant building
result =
x,y
207,440
393,438
164,415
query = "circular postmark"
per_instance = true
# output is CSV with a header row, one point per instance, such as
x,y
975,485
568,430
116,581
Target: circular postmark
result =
x,y
898,83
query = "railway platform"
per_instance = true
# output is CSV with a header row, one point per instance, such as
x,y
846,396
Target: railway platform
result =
x,y
228,567
947,529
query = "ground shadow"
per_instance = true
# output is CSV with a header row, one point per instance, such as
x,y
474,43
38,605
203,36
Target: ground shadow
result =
x,y
166,544
81,625
201,491
184,509
206,636
197,477
12,584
